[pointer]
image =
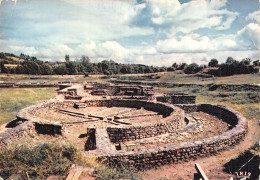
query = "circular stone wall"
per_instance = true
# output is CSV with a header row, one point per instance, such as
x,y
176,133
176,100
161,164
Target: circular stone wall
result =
x,y
162,118
173,153
173,120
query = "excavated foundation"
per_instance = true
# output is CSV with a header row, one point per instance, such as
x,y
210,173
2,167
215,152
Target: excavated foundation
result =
x,y
138,133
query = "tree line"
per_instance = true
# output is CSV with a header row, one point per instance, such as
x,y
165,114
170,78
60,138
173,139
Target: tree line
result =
x,y
232,66
83,66
25,64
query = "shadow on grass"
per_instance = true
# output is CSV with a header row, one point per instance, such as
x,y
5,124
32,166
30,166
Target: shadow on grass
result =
x,y
245,163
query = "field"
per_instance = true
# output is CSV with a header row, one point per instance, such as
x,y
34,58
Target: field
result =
x,y
204,79
20,78
12,100
247,103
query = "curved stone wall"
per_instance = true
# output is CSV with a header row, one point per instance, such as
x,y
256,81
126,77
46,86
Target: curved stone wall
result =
x,y
15,133
41,125
173,153
161,108
174,119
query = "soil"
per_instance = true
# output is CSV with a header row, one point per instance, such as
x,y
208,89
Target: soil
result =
x,y
105,112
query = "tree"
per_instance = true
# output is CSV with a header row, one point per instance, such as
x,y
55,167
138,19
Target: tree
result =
x,y
3,69
107,72
104,65
230,60
182,66
256,63
2,55
22,56
123,69
20,70
171,68
72,68
213,63
67,58
232,67
175,65
33,58
85,60
60,69
148,69
31,67
156,69
46,69
192,68
246,61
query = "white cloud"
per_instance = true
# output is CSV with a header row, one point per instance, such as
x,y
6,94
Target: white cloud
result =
x,y
226,24
29,49
112,50
154,32
194,43
185,44
8,0
175,17
254,16
216,4
199,58
224,43
148,51
250,35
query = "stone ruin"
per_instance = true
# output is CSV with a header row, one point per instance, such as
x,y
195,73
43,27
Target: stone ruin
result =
x,y
132,125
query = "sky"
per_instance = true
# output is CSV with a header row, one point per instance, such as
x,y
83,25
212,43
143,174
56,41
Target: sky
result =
x,y
151,32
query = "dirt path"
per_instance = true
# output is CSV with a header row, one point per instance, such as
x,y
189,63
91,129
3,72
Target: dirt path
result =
x,y
3,128
211,165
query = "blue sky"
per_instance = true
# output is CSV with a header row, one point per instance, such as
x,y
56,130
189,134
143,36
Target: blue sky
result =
x,y
155,32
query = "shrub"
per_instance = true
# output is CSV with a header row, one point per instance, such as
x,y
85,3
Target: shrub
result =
x,y
38,161
171,69
105,172
213,63
192,68
232,67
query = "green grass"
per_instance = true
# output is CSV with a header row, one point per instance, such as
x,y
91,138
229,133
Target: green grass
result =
x,y
16,59
177,77
247,103
38,161
14,99
22,78
246,161
41,160
108,173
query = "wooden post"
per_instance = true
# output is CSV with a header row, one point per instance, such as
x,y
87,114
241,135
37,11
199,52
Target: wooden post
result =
x,y
200,171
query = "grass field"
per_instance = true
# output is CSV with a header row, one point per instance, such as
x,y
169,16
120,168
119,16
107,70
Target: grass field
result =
x,y
247,103
14,99
22,78
177,77
16,59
